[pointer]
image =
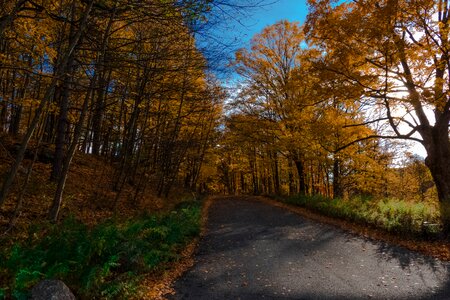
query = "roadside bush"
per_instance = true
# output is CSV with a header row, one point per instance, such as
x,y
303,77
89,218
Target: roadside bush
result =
x,y
106,261
390,214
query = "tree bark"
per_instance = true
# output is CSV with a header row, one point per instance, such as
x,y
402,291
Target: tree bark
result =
x,y
438,161
61,130
337,188
57,200
301,176
103,81
61,127
291,178
276,175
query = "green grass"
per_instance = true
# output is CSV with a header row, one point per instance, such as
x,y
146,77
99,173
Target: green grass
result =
x,y
106,261
392,215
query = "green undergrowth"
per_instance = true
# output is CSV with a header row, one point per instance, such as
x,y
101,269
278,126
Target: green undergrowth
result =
x,y
106,261
393,215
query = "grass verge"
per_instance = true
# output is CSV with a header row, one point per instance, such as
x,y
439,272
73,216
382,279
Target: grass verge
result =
x,y
392,215
105,261
435,247
159,285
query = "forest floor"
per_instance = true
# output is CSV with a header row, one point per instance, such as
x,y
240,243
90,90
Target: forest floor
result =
x,y
253,249
88,196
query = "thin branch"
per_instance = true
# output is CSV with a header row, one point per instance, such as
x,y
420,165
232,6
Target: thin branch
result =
x,y
378,136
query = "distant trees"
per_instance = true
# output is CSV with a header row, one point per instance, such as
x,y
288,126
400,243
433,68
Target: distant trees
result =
x,y
269,93
292,123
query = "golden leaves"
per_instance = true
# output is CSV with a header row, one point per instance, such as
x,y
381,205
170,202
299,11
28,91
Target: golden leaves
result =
x,y
30,102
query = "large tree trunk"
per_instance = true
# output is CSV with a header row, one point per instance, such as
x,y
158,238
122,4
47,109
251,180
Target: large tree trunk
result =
x,y
438,161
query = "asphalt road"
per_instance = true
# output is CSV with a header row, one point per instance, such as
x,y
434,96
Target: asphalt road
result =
x,y
253,250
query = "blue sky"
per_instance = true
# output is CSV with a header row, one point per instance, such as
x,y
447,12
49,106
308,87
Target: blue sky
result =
x,y
292,10
235,28
240,26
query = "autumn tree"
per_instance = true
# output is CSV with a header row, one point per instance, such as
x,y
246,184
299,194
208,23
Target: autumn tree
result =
x,y
397,51
271,92
303,112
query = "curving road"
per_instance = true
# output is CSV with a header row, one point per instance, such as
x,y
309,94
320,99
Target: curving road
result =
x,y
253,250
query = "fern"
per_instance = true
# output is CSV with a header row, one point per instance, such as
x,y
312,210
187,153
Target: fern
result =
x,y
2,293
105,261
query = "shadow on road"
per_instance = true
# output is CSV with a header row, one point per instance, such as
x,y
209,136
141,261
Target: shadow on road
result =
x,y
256,251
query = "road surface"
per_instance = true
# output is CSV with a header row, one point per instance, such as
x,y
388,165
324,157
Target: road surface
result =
x,y
252,250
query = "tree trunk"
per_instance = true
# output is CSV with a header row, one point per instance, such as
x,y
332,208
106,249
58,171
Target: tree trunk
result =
x,y
438,161
97,120
15,120
62,123
61,130
337,189
254,171
57,200
103,80
301,176
276,174
3,114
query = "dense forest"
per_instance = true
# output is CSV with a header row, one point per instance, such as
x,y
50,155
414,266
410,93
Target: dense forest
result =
x,y
115,79
327,108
